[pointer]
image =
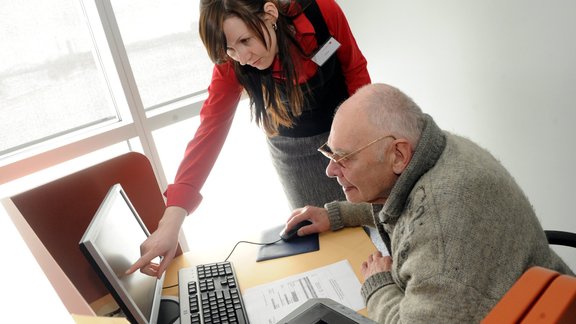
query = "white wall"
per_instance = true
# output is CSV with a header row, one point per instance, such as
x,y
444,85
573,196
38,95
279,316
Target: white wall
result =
x,y
502,73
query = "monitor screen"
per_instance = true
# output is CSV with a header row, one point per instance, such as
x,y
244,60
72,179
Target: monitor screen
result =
x,y
111,244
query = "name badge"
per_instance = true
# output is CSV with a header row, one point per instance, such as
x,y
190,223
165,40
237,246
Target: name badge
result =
x,y
327,50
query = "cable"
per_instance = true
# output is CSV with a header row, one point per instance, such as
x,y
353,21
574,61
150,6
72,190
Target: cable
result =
x,y
113,313
171,286
234,248
255,243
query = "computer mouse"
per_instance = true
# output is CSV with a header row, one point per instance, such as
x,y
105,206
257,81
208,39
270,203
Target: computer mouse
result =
x,y
293,232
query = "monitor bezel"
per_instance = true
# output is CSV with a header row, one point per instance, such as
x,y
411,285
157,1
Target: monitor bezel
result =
x,y
102,267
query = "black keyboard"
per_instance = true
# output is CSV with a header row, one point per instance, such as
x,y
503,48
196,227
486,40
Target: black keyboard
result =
x,y
209,293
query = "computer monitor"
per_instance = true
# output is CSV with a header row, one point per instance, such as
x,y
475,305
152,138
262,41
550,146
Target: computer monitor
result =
x,y
111,244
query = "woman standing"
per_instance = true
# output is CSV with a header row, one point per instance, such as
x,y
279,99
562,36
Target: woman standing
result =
x,y
297,61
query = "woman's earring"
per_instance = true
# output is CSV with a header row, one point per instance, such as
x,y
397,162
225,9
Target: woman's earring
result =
x,y
274,26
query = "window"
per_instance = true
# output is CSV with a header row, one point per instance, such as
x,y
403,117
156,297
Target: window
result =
x,y
50,83
166,54
81,76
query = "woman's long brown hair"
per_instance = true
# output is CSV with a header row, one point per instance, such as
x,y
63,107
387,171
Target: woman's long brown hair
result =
x,y
273,104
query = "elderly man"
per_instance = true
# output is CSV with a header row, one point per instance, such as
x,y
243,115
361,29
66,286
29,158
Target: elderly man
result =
x,y
460,230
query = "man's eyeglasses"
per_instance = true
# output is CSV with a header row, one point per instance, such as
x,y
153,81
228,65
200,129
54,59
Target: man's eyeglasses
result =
x,y
325,149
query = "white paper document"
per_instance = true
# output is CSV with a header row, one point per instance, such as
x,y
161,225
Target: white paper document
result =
x,y
268,303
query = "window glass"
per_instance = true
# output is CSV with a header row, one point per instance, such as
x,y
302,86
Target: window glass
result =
x,y
167,57
50,83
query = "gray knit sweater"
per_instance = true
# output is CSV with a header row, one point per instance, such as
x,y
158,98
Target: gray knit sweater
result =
x,y
461,232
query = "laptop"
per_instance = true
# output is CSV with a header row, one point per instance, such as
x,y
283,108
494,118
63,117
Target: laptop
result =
x,y
111,243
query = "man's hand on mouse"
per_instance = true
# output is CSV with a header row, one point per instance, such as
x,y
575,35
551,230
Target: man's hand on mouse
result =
x,y
317,215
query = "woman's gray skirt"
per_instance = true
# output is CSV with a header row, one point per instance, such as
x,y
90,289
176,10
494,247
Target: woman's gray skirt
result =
x,y
302,170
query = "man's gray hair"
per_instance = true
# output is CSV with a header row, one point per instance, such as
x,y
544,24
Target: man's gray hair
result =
x,y
391,110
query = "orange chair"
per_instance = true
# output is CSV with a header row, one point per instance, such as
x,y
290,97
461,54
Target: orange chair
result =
x,y
54,217
539,296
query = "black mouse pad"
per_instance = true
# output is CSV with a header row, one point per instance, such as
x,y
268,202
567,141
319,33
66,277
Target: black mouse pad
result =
x,y
280,249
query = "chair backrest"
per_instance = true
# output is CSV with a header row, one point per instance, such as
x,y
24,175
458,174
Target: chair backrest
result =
x,y
539,296
60,211
561,238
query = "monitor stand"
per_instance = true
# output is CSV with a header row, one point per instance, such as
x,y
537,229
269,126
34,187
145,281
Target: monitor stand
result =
x,y
169,312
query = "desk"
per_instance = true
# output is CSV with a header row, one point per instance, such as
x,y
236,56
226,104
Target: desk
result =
x,y
350,243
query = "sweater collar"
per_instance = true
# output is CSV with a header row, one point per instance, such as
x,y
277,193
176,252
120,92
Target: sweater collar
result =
x,y
430,146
